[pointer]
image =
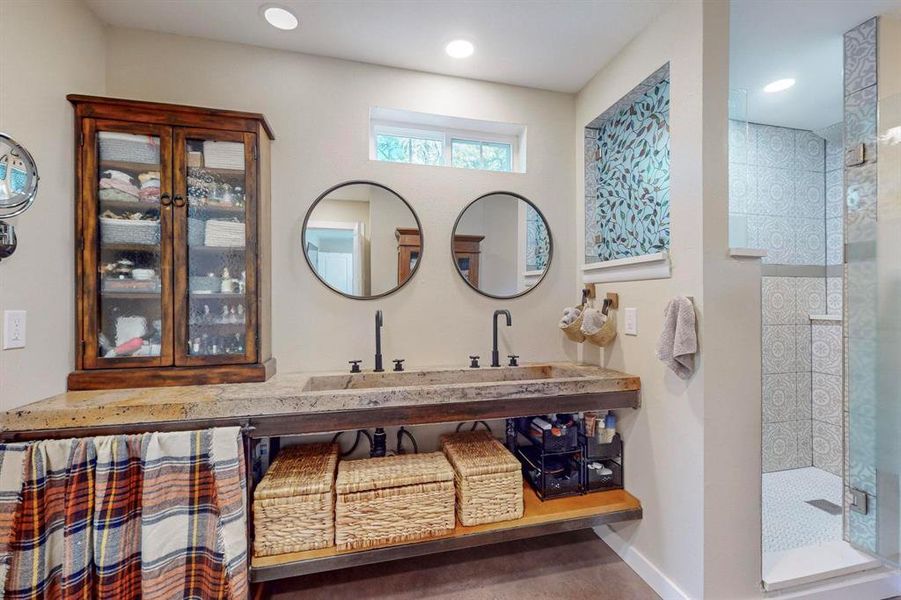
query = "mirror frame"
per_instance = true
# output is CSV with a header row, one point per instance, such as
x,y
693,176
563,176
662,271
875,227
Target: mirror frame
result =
x,y
322,196
550,239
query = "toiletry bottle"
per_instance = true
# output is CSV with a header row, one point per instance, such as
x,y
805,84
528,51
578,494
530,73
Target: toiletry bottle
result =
x,y
610,426
226,285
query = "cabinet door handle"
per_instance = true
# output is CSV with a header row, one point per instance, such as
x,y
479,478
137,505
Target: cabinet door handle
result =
x,y
179,201
165,200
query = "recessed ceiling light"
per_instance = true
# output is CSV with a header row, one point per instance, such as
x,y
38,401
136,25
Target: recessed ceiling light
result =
x,y
459,49
280,18
780,85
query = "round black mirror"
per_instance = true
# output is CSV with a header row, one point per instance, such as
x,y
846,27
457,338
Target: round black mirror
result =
x,y
362,239
502,245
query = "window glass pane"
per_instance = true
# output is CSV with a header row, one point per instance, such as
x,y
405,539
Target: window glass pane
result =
x,y
496,157
426,152
467,155
392,148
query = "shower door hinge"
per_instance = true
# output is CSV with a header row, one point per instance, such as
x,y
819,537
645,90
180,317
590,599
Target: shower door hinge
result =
x,y
856,155
859,501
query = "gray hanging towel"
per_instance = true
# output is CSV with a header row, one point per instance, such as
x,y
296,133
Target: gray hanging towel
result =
x,y
678,341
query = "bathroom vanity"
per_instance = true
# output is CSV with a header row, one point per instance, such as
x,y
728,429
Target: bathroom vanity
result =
x,y
290,404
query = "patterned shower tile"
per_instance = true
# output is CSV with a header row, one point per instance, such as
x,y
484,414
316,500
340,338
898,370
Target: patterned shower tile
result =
x,y
810,151
778,348
835,194
810,194
860,57
780,398
811,298
786,445
775,147
835,250
810,241
834,295
826,349
860,121
742,189
835,159
776,235
860,195
862,528
742,142
803,400
826,399
778,295
827,447
802,348
775,192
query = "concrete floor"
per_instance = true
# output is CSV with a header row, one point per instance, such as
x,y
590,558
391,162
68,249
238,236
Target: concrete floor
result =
x,y
572,565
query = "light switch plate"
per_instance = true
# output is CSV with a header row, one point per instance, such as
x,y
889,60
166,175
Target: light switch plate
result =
x,y
630,326
13,329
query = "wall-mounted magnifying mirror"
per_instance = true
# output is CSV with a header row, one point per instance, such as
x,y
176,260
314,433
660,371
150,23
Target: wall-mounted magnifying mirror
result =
x,y
502,245
18,188
362,239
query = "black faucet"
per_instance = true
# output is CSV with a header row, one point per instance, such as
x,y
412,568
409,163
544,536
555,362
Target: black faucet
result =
x,y
379,321
495,357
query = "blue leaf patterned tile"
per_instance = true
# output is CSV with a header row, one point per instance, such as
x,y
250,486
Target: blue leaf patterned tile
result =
x,y
775,147
860,57
632,210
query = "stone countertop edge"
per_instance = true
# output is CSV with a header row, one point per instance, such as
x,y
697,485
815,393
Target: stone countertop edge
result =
x,y
286,394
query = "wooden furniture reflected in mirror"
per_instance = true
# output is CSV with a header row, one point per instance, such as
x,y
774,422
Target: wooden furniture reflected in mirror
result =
x,y
409,249
466,255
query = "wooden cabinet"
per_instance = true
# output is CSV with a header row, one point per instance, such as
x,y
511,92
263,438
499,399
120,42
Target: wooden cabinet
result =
x,y
172,245
467,249
409,245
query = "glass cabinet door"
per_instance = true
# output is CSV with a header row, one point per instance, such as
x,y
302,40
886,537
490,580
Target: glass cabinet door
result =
x,y
127,257
215,237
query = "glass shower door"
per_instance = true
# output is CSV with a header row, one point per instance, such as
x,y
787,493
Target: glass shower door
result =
x,y
874,340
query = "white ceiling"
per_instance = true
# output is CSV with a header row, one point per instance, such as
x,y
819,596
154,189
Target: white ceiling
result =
x,y
775,39
553,44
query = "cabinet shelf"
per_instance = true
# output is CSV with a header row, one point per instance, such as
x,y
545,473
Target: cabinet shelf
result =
x,y
128,166
216,296
130,295
539,518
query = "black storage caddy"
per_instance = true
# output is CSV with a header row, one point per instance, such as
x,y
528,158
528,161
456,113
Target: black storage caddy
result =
x,y
558,466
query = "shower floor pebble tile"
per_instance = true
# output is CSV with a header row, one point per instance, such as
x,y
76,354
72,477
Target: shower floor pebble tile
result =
x,y
788,521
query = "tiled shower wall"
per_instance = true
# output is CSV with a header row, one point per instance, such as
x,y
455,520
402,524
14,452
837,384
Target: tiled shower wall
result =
x,y
826,396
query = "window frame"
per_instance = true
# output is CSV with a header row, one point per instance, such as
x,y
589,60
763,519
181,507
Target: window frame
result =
x,y
447,136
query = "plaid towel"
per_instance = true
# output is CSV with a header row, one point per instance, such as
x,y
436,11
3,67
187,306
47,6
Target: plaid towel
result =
x,y
145,516
12,472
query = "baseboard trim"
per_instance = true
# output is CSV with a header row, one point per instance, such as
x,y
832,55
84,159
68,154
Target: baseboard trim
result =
x,y
645,569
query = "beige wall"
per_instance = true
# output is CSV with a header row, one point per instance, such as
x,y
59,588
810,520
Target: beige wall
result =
x,y
693,446
47,50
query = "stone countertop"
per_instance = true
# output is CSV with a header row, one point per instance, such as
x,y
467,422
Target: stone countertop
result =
x,y
312,394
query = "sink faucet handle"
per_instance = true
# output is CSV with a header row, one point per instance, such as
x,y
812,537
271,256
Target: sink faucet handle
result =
x,y
398,364
355,365
513,362
473,362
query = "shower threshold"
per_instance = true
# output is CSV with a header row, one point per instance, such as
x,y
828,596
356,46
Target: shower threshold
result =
x,y
798,566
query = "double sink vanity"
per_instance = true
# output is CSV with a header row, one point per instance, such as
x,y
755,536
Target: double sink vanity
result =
x,y
302,403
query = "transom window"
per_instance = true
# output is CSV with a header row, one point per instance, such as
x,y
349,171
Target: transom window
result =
x,y
421,139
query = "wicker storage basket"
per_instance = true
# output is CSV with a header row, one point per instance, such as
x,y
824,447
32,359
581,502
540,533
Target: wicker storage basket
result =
x,y
393,499
127,231
488,478
294,504
606,334
574,330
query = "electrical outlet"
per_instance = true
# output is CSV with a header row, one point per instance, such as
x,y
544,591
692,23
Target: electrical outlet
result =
x,y
630,326
13,329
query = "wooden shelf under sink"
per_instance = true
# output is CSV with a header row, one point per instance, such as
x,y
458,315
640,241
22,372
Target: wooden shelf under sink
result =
x,y
539,518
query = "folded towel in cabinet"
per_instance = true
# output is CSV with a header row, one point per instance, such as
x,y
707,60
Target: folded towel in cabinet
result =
x,y
678,341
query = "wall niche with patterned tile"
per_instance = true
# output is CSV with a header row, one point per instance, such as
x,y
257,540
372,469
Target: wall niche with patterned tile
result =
x,y
627,175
